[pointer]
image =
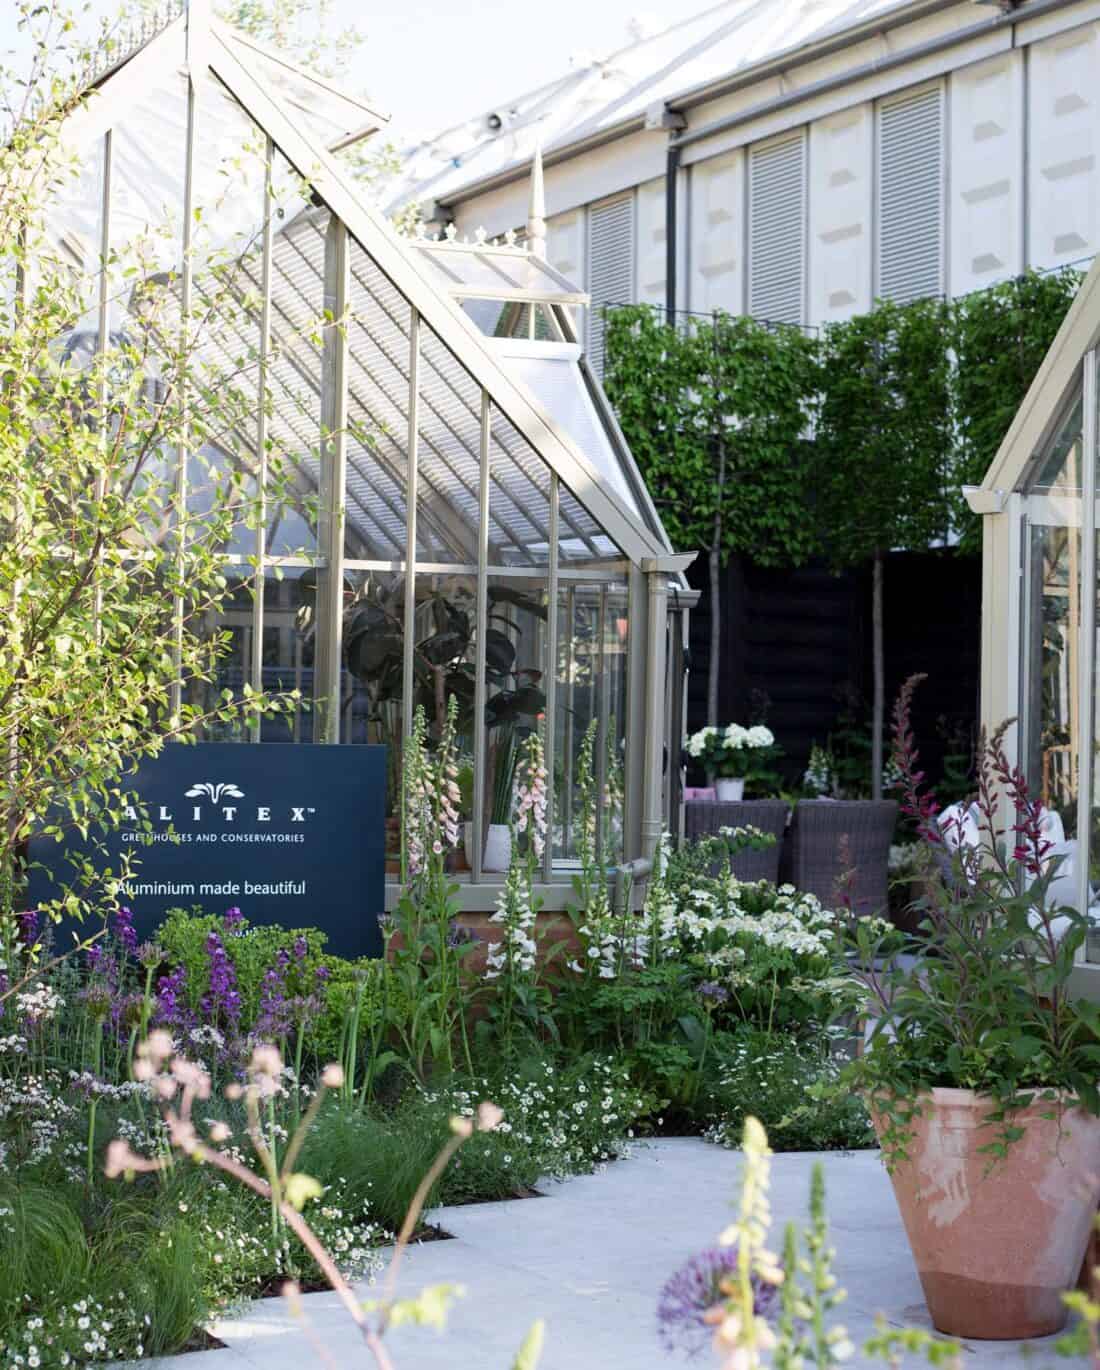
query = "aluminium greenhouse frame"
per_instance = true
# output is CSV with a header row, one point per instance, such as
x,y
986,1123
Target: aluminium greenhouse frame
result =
x,y
579,495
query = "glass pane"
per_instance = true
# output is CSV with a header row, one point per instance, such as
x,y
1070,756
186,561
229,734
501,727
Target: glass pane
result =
x,y
1060,468
449,458
73,222
148,171
290,600
227,262
294,373
1055,638
372,678
235,625
590,720
446,638
378,411
515,679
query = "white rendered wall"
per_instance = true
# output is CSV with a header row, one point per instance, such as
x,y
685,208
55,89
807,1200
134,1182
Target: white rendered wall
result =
x,y
1022,143
1063,74
565,234
840,215
716,256
985,161
650,249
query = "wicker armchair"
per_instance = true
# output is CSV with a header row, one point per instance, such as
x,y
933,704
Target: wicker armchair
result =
x,y
835,842
702,818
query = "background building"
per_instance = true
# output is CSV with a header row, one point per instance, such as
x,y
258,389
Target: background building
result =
x,y
796,161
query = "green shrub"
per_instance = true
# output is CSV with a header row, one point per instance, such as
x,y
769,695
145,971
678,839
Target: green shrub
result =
x,y
787,1085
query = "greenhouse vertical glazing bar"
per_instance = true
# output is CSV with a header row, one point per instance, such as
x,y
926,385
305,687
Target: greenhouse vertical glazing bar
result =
x,y
637,612
567,777
103,330
259,582
600,697
186,276
481,619
551,678
1087,659
334,451
412,484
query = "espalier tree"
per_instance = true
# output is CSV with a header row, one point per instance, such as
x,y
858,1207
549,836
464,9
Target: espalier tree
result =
x,y
885,461
122,478
845,446
716,414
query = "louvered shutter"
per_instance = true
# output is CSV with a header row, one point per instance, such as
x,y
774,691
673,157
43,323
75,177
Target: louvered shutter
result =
x,y
777,230
910,197
610,267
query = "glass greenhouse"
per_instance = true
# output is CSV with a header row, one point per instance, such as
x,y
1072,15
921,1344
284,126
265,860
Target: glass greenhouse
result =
x,y
1040,620
462,516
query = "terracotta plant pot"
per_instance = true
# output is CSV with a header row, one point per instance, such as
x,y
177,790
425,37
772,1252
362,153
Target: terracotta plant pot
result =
x,y
997,1245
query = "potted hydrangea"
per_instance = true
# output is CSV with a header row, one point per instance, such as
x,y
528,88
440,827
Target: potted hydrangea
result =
x,y
732,754
981,1065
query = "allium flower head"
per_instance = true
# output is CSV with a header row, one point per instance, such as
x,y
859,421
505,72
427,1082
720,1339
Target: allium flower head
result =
x,y
693,1291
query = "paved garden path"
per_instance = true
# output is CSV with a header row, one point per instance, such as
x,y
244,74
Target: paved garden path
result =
x,y
590,1257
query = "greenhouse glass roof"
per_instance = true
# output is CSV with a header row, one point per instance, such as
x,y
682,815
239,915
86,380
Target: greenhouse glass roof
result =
x,y
252,171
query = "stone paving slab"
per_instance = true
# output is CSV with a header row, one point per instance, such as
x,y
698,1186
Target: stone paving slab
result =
x,y
590,1257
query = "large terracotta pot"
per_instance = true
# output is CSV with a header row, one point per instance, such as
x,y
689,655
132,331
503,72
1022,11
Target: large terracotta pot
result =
x,y
996,1244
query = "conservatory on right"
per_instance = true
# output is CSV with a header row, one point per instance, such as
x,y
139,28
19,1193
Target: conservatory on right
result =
x,y
1038,503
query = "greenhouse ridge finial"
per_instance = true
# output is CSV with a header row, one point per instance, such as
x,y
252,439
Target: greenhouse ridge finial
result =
x,y
536,213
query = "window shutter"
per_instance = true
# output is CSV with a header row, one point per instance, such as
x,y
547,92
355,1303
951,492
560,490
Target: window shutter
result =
x,y
910,197
610,267
777,230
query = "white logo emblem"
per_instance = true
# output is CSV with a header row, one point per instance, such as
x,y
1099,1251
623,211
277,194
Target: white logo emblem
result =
x,y
216,792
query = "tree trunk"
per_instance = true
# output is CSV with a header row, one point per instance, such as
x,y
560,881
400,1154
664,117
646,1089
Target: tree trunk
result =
x,y
878,711
715,637
715,593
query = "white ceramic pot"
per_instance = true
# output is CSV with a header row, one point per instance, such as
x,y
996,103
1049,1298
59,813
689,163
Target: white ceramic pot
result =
x,y
729,790
498,847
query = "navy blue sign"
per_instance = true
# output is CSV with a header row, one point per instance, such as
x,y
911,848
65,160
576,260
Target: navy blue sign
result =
x,y
290,833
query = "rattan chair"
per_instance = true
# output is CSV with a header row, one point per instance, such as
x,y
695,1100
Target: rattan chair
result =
x,y
841,844
702,818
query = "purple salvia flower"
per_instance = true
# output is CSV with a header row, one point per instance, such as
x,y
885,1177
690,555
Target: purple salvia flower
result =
x,y
171,1010
274,1016
223,997
301,948
232,920
28,927
124,929
696,1288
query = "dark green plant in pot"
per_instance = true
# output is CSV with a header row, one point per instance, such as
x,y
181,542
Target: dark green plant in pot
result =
x,y
981,1064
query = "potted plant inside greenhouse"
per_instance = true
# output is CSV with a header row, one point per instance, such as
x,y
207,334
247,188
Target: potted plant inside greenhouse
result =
x,y
981,1065
733,755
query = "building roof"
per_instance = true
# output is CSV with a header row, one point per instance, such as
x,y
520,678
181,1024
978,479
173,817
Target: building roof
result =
x,y
332,115
597,97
